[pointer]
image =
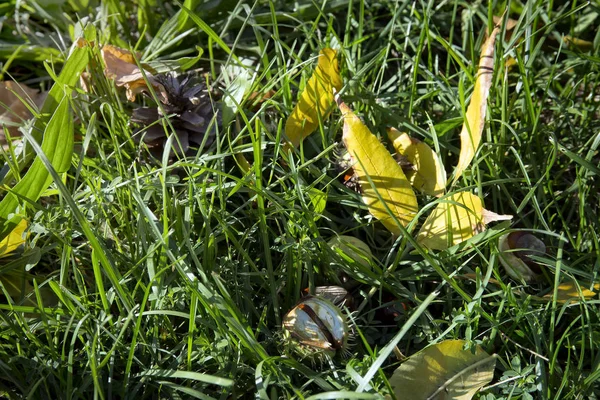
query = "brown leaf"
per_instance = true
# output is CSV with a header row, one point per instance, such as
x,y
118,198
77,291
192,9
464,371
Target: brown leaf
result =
x,y
13,110
120,66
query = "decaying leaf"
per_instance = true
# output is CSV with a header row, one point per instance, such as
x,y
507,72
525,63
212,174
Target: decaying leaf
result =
x,y
516,249
13,109
428,174
470,135
566,291
454,220
443,371
120,66
14,239
316,100
373,161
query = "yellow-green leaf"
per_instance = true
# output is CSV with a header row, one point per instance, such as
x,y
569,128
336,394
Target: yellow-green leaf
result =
x,y
428,174
443,371
569,290
454,220
316,100
470,135
372,160
14,239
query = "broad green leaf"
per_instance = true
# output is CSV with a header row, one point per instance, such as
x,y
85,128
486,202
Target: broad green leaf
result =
x,y
318,200
428,174
454,220
316,100
443,371
14,239
57,140
371,160
470,136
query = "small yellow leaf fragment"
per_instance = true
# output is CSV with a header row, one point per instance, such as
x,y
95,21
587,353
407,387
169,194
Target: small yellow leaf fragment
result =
x,y
372,160
316,100
566,291
14,239
470,135
443,371
454,220
428,175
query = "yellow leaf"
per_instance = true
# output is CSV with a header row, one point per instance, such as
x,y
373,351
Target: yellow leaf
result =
x,y
578,44
443,371
566,291
316,100
429,175
371,159
14,239
470,135
454,220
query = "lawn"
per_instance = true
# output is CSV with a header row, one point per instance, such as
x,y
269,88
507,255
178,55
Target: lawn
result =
x,y
162,228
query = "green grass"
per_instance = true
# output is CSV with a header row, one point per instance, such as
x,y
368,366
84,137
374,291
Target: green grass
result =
x,y
145,279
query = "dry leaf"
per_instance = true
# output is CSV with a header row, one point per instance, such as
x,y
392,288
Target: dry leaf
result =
x,y
13,112
316,100
371,159
120,66
443,371
470,136
428,175
566,291
454,220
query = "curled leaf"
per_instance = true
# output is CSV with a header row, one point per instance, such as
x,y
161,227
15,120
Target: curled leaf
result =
x,y
121,66
443,371
454,220
515,251
428,174
470,135
373,161
316,100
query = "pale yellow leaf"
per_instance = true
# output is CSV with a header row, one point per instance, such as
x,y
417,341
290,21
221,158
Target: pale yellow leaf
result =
x,y
454,220
470,135
14,239
317,98
566,291
371,159
428,174
443,371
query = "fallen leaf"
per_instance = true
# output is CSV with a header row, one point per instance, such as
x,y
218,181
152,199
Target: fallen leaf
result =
x,y
443,371
454,220
578,44
470,135
120,65
566,291
372,160
13,96
316,100
428,174
14,239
